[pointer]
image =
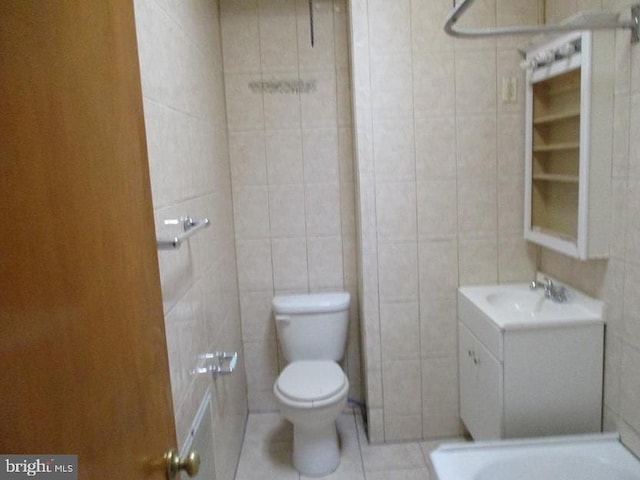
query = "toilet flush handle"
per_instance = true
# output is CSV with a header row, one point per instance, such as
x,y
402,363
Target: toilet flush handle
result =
x,y
283,319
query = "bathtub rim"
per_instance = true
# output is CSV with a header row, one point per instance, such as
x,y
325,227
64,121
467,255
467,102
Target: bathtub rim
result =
x,y
520,442
446,458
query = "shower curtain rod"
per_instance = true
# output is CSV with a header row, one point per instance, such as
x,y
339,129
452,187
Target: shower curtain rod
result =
x,y
458,11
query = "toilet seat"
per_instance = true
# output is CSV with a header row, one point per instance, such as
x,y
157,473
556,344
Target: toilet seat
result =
x,y
311,383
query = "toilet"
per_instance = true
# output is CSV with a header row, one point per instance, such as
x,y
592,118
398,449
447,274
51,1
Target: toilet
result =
x,y
311,391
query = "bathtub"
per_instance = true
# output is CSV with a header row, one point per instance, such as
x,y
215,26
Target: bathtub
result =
x,y
581,457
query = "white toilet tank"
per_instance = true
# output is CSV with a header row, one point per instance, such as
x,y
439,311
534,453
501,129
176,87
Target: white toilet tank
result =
x,y
312,326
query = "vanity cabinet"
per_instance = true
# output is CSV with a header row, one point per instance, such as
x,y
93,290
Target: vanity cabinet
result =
x,y
569,118
528,379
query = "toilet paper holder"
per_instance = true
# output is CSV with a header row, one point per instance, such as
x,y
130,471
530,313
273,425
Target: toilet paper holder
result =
x,y
217,363
189,227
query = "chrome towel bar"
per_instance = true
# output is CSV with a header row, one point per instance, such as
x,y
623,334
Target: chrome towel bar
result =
x,y
189,227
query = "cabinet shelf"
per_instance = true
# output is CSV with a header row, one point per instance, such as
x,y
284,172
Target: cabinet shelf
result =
x,y
556,147
560,178
556,117
544,231
562,90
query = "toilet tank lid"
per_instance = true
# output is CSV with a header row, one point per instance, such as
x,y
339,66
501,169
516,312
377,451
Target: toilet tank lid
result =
x,y
312,303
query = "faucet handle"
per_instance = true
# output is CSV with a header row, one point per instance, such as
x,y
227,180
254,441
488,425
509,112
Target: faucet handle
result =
x,y
535,284
561,294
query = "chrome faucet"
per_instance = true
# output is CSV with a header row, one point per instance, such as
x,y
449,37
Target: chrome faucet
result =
x,y
551,291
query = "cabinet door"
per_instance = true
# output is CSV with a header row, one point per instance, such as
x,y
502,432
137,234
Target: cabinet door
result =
x,y
481,375
467,377
488,394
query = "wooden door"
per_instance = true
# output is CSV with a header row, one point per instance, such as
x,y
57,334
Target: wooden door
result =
x,y
83,356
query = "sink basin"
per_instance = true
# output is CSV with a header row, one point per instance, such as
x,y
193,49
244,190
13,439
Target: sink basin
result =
x,y
526,302
515,305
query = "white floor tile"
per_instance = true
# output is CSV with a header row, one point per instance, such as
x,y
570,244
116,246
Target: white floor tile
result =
x,y
268,443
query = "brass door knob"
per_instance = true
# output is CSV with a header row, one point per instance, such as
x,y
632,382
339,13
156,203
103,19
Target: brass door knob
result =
x,y
190,464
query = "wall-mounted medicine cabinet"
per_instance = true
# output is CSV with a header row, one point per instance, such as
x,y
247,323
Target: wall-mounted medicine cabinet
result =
x,y
569,131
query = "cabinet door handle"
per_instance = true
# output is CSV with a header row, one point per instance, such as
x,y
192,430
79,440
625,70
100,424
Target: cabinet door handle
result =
x,y
476,360
471,353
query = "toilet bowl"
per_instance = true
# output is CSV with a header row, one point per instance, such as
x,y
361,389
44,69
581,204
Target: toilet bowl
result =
x,y
311,394
311,391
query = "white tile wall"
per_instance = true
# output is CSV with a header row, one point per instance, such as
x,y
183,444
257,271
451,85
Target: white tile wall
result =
x,y
400,331
617,280
182,84
475,81
392,23
292,170
434,209
477,146
433,74
394,148
435,147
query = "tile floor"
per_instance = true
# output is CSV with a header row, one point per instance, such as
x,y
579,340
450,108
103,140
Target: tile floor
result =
x,y
266,453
